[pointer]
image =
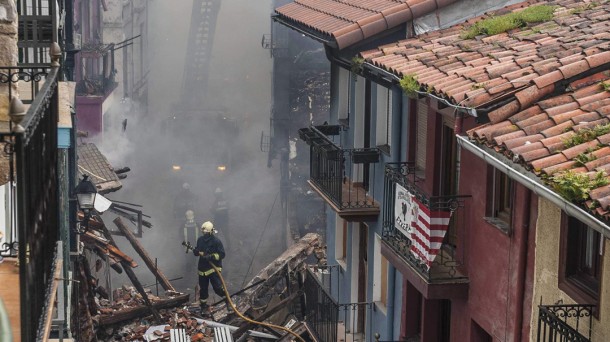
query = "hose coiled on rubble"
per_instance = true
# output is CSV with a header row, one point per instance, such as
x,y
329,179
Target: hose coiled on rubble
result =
x,y
269,325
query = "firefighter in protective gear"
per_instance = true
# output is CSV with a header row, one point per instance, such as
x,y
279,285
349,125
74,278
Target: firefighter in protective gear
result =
x,y
211,252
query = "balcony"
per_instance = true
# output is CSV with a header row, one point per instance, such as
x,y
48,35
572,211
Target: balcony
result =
x,y
342,176
97,70
330,320
29,143
568,323
423,247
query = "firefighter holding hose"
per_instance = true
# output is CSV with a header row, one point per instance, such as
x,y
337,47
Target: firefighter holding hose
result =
x,y
210,252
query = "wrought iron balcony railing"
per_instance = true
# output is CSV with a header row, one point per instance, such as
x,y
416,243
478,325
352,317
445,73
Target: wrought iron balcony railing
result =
x,y
564,323
330,320
342,176
97,61
33,148
428,243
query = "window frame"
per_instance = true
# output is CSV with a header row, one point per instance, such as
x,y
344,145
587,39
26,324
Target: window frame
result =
x,y
500,189
384,113
571,279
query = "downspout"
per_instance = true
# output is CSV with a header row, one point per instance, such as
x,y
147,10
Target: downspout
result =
x,y
538,188
522,266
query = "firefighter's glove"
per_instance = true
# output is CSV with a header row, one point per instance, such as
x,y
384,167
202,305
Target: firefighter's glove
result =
x,y
196,252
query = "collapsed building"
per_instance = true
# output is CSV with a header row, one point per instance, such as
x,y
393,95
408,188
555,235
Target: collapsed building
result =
x,y
133,313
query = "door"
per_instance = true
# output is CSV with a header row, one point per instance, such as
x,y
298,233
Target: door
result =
x,y
362,277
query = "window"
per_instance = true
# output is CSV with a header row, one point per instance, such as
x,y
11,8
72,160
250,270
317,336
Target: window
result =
x,y
344,95
499,199
380,276
383,132
580,261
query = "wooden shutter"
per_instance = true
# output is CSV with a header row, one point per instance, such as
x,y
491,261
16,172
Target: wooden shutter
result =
x,y
421,132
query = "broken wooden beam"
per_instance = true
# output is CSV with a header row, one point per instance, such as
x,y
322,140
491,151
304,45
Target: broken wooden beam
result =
x,y
293,257
132,276
281,305
144,255
141,310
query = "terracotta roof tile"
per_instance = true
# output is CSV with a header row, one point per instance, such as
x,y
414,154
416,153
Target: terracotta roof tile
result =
x,y
584,104
349,22
559,167
515,142
539,127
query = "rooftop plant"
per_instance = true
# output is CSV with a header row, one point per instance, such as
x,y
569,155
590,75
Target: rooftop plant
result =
x,y
576,186
357,64
496,25
586,134
409,85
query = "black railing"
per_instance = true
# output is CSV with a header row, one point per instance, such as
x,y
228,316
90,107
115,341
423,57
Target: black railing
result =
x,y
321,310
342,175
35,152
330,320
564,323
37,30
446,264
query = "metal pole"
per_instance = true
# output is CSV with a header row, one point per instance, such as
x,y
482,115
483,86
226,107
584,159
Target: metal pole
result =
x,y
156,280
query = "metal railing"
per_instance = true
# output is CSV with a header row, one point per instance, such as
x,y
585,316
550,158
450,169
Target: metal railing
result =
x,y
450,258
564,323
330,320
35,151
337,172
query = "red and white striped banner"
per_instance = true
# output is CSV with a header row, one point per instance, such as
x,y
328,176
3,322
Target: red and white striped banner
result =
x,y
430,229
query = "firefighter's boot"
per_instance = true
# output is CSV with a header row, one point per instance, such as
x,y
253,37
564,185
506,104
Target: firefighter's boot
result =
x,y
229,307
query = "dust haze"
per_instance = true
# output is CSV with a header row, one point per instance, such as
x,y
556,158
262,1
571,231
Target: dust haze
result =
x,y
239,89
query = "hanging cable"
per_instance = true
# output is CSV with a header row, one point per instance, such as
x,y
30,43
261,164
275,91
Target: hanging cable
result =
x,y
259,240
269,325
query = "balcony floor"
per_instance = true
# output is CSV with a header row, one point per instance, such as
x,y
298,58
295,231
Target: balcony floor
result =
x,y
351,193
9,292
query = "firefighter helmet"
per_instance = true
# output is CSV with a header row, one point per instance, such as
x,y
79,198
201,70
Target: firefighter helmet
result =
x,y
208,227
190,215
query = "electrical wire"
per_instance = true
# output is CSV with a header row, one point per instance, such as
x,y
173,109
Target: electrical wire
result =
x,y
259,240
269,325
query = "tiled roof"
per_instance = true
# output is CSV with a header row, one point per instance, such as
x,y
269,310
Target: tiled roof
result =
x,y
93,163
542,137
350,21
520,67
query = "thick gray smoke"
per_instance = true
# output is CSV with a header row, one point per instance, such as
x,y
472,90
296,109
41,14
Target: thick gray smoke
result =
x,y
239,88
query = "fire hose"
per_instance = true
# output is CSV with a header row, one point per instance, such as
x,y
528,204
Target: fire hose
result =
x,y
269,325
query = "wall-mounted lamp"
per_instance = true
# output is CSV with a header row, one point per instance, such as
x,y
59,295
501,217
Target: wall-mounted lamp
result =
x,y
85,195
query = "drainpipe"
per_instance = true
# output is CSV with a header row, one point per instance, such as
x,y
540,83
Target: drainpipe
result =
x,y
459,123
538,188
522,266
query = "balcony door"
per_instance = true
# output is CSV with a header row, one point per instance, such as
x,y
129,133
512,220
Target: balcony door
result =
x,y
362,277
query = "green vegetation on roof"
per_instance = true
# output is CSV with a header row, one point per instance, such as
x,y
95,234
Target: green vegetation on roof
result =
x,y
496,25
586,134
357,64
583,8
584,158
409,85
605,85
576,186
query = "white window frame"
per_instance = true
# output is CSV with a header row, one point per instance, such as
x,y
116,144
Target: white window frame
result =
x,y
378,283
383,127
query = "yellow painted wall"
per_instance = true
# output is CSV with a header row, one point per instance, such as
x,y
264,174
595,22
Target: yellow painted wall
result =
x,y
546,273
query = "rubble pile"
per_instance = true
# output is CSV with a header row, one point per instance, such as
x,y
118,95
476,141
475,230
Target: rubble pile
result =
x,y
146,329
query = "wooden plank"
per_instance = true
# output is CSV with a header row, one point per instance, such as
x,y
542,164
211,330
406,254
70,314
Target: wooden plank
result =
x,y
10,294
51,304
134,280
281,305
140,311
142,252
111,248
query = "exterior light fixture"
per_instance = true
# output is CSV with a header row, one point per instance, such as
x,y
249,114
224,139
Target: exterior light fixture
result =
x,y
55,53
17,113
85,195
221,167
176,167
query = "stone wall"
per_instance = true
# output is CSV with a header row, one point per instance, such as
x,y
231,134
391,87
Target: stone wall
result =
x,y
8,49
